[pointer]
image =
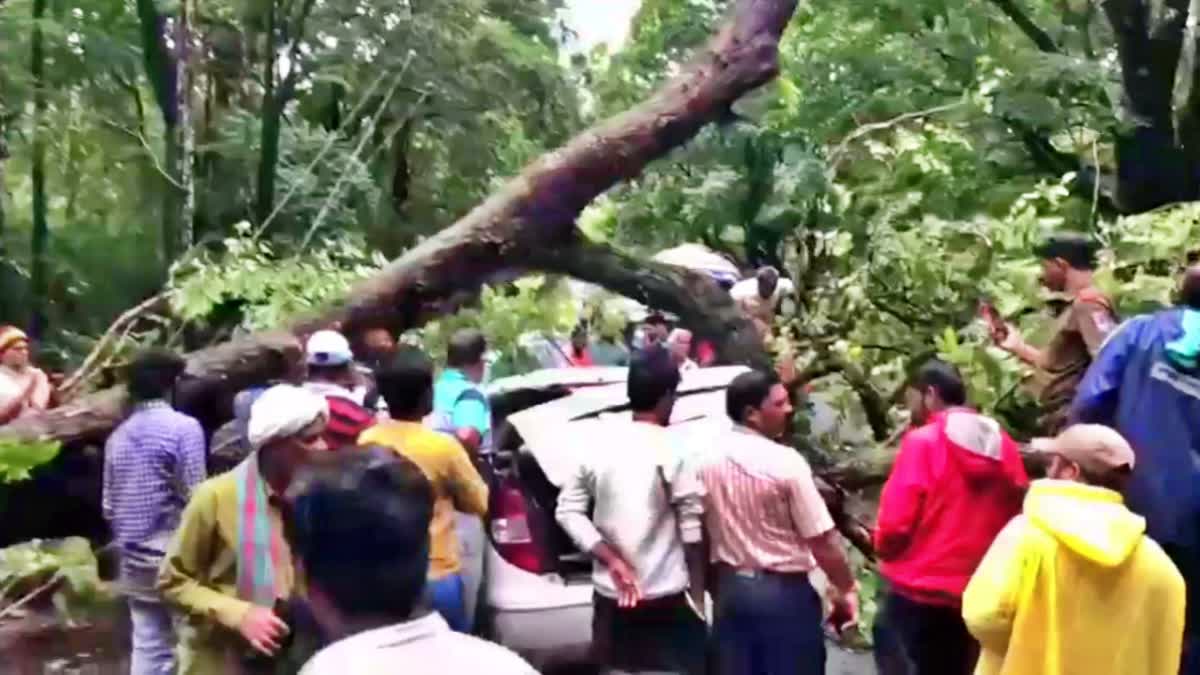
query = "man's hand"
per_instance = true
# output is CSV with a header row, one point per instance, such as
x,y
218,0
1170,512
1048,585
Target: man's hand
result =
x,y
263,630
845,610
629,594
696,597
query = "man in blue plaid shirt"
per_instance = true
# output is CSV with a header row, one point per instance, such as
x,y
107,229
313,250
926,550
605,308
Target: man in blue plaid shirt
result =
x,y
152,462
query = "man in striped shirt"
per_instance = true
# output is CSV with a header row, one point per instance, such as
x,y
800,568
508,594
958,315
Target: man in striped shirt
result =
x,y
769,528
332,374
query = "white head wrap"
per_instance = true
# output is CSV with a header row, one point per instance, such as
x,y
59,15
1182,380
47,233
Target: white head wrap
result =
x,y
282,411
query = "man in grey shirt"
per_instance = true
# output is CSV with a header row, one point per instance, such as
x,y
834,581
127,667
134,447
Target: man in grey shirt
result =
x,y
360,529
644,532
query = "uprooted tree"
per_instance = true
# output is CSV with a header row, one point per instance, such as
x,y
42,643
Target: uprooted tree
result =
x,y
527,225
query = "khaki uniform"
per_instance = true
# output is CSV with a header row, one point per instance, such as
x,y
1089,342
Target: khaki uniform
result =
x,y
1078,335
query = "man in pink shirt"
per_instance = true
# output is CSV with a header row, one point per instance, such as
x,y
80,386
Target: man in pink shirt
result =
x,y
957,481
769,528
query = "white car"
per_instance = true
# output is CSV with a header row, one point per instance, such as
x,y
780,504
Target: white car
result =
x,y
537,591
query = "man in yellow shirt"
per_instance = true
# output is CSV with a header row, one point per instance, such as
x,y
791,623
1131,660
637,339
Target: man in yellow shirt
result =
x,y
228,566
406,383
1073,586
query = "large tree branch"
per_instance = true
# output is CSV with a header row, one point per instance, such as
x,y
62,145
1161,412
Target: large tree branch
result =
x,y
1031,30
699,302
535,210
229,366
1149,43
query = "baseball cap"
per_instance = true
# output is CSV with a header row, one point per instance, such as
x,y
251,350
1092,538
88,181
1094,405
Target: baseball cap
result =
x,y
328,348
1094,447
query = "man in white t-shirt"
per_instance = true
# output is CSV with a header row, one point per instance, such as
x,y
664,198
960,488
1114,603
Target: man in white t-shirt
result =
x,y
644,531
759,297
361,532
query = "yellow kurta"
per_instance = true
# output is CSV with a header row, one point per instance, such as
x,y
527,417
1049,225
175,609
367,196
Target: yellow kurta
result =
x,y
1074,587
199,578
457,484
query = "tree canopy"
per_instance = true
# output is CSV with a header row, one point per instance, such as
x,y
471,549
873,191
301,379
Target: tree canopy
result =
x,y
256,159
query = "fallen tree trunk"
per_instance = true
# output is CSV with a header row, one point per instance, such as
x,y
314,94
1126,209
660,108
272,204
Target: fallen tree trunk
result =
x,y
700,304
523,225
224,368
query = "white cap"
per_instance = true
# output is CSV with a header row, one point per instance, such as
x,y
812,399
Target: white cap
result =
x,y
282,412
328,348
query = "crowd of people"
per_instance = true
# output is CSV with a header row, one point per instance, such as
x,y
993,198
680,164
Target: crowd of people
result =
x,y
327,537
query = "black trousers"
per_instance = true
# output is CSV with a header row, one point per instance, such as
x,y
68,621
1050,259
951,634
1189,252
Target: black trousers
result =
x,y
913,638
662,634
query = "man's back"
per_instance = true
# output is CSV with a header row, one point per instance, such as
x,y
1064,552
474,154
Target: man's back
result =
x,y
459,403
956,482
1073,586
761,504
424,646
456,483
627,473
1135,388
152,462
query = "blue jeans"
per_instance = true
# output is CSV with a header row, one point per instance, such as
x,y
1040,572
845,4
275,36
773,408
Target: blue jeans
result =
x,y
448,598
768,624
153,639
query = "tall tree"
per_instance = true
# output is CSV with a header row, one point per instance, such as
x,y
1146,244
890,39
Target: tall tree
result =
x,y
276,95
183,168
163,70
39,264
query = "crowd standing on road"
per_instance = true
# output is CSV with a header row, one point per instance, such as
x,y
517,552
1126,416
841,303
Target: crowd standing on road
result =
x,y
342,525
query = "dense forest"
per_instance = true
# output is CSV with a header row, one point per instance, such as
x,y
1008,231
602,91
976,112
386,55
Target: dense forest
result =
x,y
231,166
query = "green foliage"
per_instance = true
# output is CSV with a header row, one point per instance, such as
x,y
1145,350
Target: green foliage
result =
x,y
18,459
403,117
530,306
261,287
68,566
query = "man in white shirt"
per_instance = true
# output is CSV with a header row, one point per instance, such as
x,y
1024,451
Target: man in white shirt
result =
x,y
361,531
680,343
644,534
759,297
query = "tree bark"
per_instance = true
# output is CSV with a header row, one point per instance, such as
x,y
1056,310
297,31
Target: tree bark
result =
x,y
1152,168
268,158
186,214
520,225
39,243
164,73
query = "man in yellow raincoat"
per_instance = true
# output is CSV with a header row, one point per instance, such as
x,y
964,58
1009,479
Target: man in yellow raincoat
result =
x,y
1073,586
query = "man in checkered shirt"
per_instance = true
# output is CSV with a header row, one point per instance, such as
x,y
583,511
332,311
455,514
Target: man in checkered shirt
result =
x,y
152,462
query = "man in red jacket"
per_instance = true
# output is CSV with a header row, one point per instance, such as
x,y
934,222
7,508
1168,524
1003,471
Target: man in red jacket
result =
x,y
957,480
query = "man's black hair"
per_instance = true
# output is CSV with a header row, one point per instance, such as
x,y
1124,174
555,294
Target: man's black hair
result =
x,y
153,374
943,378
1078,250
329,373
405,382
748,390
656,319
652,377
360,526
1189,290
466,348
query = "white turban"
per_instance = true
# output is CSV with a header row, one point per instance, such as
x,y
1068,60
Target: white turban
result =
x,y
283,411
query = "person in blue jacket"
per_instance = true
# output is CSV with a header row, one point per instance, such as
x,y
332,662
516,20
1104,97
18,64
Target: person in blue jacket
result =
x,y
1145,383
